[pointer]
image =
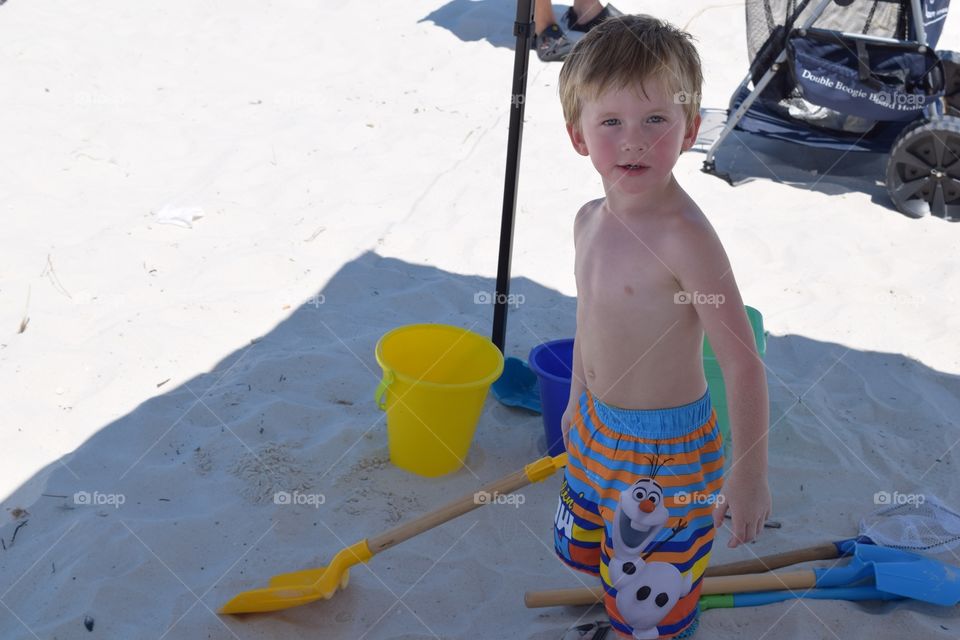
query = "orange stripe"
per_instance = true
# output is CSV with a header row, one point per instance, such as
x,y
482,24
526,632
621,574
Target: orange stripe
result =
x,y
588,557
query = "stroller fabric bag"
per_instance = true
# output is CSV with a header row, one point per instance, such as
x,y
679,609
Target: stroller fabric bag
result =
x,y
873,80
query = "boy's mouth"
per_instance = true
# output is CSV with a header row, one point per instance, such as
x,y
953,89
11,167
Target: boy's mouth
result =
x,y
632,167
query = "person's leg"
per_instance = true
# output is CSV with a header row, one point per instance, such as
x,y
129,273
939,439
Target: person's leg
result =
x,y
578,526
586,10
551,43
543,15
584,15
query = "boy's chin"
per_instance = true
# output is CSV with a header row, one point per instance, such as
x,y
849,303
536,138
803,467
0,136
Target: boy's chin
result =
x,y
633,182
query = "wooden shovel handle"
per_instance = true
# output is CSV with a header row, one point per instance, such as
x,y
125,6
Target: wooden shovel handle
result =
x,y
533,472
804,579
590,595
563,597
825,551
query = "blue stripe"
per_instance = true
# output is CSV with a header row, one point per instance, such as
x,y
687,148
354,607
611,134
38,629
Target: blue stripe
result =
x,y
627,631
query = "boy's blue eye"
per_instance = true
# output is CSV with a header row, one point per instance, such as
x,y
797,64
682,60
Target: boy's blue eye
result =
x,y
658,119
614,120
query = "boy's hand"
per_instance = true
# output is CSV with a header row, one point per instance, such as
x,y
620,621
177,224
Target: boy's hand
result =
x,y
748,497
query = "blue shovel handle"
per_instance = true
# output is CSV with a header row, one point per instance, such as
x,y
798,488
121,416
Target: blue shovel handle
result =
x,y
770,597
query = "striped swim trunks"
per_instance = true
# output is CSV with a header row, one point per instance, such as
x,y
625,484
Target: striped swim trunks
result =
x,y
636,508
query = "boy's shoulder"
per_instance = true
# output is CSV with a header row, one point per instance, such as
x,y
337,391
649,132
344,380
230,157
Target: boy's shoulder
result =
x,y
686,225
688,237
588,208
585,213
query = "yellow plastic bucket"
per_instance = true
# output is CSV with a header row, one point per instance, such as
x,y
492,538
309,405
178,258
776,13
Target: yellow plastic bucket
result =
x,y
435,381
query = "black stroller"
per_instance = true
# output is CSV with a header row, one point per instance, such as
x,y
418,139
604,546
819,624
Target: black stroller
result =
x,y
857,75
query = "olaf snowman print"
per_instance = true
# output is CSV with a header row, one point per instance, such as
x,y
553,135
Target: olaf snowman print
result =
x,y
646,591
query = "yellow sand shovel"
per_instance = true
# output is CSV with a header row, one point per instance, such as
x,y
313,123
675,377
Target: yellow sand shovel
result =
x,y
300,587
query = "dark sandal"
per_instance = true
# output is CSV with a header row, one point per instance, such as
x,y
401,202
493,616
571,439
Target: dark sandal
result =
x,y
600,630
552,45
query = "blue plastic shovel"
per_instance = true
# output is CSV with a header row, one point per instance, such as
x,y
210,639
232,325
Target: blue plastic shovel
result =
x,y
518,386
891,571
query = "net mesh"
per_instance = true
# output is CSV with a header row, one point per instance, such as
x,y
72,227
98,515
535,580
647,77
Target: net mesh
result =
x,y
871,17
920,524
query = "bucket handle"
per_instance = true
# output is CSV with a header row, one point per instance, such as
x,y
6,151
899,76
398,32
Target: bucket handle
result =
x,y
380,396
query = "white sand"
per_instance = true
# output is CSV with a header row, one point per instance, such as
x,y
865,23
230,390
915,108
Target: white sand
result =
x,y
359,156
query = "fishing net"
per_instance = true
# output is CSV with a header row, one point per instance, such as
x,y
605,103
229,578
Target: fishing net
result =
x,y
920,523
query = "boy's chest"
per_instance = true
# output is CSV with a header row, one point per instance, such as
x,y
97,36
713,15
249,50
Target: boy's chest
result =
x,y
621,267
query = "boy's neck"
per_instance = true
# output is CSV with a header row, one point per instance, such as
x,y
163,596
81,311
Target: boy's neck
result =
x,y
650,202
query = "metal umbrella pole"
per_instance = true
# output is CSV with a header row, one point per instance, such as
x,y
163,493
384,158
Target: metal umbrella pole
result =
x,y
523,30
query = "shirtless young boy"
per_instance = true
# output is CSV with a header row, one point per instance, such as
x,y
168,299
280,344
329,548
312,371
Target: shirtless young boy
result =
x,y
642,493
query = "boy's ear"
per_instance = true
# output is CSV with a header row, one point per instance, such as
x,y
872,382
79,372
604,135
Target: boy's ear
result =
x,y
576,137
691,135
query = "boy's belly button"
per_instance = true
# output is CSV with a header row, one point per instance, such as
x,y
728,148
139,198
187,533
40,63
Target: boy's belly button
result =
x,y
591,374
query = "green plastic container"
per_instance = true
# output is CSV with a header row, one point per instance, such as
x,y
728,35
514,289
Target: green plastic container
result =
x,y
711,368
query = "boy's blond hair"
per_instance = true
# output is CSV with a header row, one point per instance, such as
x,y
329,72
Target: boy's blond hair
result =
x,y
627,51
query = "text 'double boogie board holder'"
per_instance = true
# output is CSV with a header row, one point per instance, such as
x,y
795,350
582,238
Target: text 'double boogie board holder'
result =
x,y
860,76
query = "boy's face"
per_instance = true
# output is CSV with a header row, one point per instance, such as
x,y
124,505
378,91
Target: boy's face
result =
x,y
633,139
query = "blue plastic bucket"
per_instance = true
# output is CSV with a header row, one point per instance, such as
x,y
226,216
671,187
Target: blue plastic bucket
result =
x,y
553,364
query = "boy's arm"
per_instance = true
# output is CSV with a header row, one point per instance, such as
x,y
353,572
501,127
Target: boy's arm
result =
x,y
577,379
577,383
703,270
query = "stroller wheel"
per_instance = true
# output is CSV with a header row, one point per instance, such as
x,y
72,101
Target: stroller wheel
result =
x,y
923,170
